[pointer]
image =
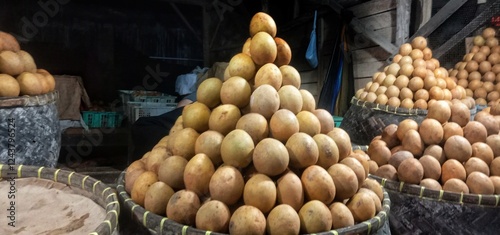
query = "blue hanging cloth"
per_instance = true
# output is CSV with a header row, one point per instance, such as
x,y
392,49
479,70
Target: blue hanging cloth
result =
x,y
311,52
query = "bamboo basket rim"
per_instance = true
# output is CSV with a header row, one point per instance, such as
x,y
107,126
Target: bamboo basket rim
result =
x,y
27,101
441,195
109,198
388,109
157,224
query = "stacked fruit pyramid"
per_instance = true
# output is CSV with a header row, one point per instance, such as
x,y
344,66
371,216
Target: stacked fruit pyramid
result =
x,y
254,155
479,70
413,80
19,74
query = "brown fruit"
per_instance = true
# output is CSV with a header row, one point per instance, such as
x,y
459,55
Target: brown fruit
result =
x,y
255,125
270,157
183,206
452,169
345,180
284,53
236,91
9,87
208,92
265,100
328,150
260,192
283,124
290,76
479,183
8,42
247,220
29,84
302,149
270,74
475,131
263,48
237,148
262,22
387,171
410,171
458,148
226,185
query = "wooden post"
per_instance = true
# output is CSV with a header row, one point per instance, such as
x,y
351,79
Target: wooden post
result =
x,y
403,11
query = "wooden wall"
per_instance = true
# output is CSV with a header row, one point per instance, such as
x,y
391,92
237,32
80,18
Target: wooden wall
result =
x,y
368,57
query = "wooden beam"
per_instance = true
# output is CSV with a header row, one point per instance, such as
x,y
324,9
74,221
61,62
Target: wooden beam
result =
x,y
491,9
442,15
372,7
203,3
206,37
403,12
186,22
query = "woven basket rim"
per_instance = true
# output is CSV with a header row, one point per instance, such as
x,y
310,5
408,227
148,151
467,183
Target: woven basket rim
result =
x,y
441,195
73,179
162,223
26,101
388,109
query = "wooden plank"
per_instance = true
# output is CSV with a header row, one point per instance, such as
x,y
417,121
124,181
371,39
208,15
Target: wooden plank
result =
x,y
403,21
309,76
355,23
360,41
311,87
371,54
379,21
361,83
367,69
372,7
423,15
375,36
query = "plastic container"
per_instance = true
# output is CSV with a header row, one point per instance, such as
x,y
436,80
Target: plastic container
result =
x,y
137,110
146,96
95,119
337,120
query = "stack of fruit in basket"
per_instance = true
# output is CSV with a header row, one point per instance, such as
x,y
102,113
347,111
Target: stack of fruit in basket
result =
x,y
446,151
255,155
413,80
18,72
479,71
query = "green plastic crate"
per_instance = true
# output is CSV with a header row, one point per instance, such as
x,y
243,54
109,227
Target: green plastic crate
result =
x,y
337,120
95,119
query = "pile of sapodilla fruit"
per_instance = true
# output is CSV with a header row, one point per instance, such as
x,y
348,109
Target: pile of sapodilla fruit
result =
x,y
479,70
19,74
254,155
446,151
413,80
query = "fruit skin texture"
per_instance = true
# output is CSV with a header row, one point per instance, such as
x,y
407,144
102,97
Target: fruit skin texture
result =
x,y
262,22
263,48
9,87
29,84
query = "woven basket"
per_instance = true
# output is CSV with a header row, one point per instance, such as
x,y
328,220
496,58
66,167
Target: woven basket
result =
x,y
156,224
417,210
365,120
30,124
107,196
